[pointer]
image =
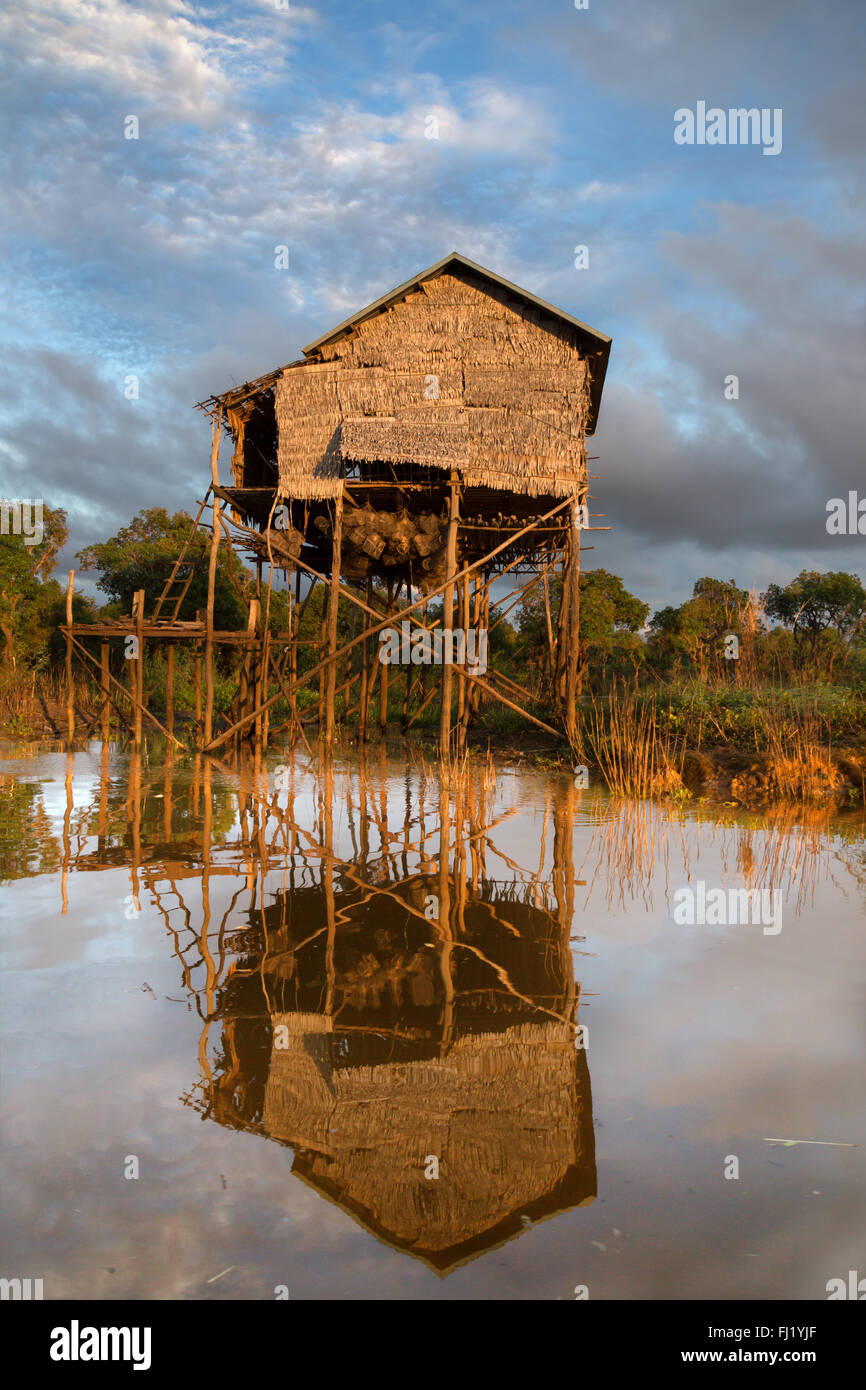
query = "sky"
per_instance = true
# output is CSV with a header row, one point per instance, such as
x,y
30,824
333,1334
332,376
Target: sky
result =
x,y
312,127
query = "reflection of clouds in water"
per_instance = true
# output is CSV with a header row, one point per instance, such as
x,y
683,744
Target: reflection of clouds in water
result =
x,y
716,1037
641,850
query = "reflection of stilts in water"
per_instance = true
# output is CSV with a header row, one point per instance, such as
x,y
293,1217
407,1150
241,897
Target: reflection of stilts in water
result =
x,y
67,842
372,1033
785,847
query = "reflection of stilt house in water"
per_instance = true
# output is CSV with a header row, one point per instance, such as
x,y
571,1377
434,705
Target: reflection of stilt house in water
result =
x,y
370,1039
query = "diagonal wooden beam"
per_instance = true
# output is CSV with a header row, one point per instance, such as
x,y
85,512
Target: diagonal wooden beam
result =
x,y
389,622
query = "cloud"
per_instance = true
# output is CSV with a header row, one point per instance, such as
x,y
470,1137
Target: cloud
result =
x,y
259,128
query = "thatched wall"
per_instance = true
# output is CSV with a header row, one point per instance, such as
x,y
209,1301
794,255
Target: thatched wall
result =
x,y
458,373
503,1112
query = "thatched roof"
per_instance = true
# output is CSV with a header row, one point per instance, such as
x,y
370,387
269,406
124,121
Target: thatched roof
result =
x,y
455,368
507,1115
595,343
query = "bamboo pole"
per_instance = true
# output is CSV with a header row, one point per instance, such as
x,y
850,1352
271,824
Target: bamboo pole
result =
x,y
138,669
152,717
105,713
385,673
211,581
169,688
550,650
333,610
323,673
448,613
197,684
462,686
410,676
363,707
70,678
573,631
404,613
489,690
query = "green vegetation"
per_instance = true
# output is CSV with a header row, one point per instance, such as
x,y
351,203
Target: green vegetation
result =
x,y
780,674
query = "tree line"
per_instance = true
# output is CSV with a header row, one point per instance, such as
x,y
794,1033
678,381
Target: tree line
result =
x,y
812,628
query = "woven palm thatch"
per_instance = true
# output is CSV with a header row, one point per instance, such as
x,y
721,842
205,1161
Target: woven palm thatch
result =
x,y
458,372
504,1113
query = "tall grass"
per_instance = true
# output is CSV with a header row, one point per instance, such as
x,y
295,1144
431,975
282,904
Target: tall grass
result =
x,y
25,696
19,707
800,763
635,753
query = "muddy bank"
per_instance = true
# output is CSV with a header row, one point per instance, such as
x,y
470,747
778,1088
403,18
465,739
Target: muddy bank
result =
x,y
751,777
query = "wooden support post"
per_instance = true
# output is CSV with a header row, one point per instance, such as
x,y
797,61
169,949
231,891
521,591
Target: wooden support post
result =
x,y
262,687
462,684
247,694
333,607
138,611
562,629
448,614
105,713
211,582
364,704
550,647
196,680
410,676
82,651
70,678
385,673
387,621
296,629
323,674
573,630
169,688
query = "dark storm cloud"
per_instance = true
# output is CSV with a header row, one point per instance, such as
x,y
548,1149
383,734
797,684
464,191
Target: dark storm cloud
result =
x,y
156,256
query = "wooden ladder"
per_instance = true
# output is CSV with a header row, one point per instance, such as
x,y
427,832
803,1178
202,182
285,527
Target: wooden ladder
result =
x,y
181,574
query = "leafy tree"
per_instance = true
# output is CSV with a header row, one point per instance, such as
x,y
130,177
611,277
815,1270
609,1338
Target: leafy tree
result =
x,y
27,593
142,554
694,633
813,603
610,620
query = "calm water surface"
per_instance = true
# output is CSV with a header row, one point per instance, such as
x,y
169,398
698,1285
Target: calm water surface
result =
x,y
288,996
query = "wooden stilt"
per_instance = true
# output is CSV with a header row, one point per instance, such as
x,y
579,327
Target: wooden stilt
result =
x,y
323,674
410,676
196,678
550,646
462,685
573,629
256,698
169,687
333,607
70,678
138,664
363,707
105,713
385,674
562,630
83,652
211,583
389,618
448,613
264,687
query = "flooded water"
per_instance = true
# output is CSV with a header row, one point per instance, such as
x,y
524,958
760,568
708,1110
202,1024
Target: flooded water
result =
x,y
342,1031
